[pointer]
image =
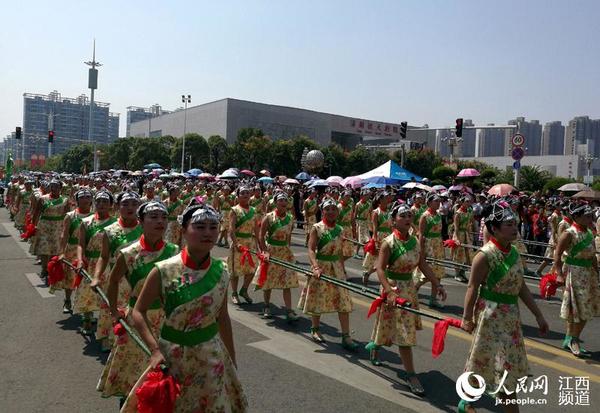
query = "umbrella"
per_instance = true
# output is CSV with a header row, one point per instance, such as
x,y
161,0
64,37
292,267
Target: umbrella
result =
x,y
374,185
291,181
137,173
266,180
164,176
229,174
265,172
587,194
158,171
353,181
319,183
335,180
303,176
468,173
194,171
573,186
247,172
460,187
501,190
439,188
417,185
152,166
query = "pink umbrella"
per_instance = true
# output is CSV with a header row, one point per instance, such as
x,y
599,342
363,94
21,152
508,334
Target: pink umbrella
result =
x,y
247,172
264,172
501,190
460,187
335,180
206,175
352,181
439,188
468,173
291,181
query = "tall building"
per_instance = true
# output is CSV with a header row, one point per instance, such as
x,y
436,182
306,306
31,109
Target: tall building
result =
x,y
68,118
493,141
532,131
553,138
466,147
136,114
582,136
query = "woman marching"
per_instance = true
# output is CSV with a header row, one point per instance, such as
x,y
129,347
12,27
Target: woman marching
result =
x,y
175,207
399,256
345,219
196,341
491,311
463,227
382,227
127,361
579,275
91,234
69,241
274,240
320,297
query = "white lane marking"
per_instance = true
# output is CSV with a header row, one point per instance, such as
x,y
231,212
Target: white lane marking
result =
x,y
301,351
39,285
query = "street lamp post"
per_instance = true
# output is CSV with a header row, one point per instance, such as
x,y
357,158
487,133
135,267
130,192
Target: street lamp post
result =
x,y
185,99
92,85
589,159
452,142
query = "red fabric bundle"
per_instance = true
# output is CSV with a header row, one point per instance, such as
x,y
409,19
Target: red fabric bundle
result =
x,y
76,281
27,218
246,256
452,244
548,285
56,271
158,393
118,329
378,302
370,247
439,334
262,274
29,231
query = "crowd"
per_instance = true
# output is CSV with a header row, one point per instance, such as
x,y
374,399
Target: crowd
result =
x,y
146,242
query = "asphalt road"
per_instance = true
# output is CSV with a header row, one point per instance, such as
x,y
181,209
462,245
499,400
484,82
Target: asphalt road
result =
x,y
48,367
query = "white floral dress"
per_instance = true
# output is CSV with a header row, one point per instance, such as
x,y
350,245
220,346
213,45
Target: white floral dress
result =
x,y
384,228
434,247
49,227
363,212
70,253
345,220
244,233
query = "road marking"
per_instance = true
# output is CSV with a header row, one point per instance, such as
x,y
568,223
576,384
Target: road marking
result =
x,y
39,285
308,355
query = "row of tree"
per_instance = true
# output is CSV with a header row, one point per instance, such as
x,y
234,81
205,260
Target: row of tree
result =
x,y
255,151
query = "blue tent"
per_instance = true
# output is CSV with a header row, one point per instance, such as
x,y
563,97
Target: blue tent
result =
x,y
392,174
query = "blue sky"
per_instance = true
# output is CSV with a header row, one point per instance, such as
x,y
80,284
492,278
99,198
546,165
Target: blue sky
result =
x,y
419,61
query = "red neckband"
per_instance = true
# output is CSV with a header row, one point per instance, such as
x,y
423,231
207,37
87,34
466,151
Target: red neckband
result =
x,y
147,247
121,223
500,247
399,235
189,262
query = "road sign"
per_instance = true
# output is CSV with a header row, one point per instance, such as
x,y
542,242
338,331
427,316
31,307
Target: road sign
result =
x,y
517,165
517,153
518,139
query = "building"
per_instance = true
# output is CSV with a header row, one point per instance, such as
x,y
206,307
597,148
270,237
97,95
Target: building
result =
x,y
569,166
136,114
532,131
465,147
553,138
582,136
68,118
226,117
492,141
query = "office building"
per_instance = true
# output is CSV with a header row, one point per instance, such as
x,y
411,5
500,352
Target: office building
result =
x,y
553,138
492,141
532,131
582,136
136,114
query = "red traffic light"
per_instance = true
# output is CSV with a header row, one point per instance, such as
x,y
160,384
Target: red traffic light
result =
x,y
50,136
459,127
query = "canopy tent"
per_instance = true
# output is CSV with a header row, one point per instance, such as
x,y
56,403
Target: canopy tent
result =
x,y
392,172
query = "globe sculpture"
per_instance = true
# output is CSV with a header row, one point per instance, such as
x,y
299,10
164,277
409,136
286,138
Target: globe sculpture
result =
x,y
314,161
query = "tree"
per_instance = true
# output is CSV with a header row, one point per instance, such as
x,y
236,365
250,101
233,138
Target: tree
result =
x,y
444,174
246,133
196,147
421,162
149,150
77,159
533,178
488,175
506,176
254,152
554,183
335,160
117,154
219,152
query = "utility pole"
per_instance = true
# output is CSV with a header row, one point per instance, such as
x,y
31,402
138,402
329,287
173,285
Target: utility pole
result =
x,y
93,85
185,101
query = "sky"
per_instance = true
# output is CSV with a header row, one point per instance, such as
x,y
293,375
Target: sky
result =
x,y
417,61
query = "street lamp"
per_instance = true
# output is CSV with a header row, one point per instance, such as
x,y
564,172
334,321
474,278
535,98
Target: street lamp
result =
x,y
185,99
452,142
92,85
589,159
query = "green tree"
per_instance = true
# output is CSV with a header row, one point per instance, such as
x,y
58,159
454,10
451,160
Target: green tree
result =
x,y
246,133
421,162
506,176
488,175
117,154
533,178
254,152
444,174
196,147
219,153
149,150
335,160
77,159
554,183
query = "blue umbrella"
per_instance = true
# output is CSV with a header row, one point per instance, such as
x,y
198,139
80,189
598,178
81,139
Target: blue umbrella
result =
x,y
318,183
303,176
152,166
374,185
194,171
265,180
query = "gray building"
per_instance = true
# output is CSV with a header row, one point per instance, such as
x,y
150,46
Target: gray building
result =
x,y
68,118
582,136
466,147
137,114
227,116
493,142
532,131
553,138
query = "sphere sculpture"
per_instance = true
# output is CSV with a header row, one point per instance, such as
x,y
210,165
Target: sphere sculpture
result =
x,y
314,160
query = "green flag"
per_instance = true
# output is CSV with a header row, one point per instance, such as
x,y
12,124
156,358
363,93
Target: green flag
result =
x,y
9,168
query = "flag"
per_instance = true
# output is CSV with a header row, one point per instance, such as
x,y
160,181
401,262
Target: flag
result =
x,y
9,167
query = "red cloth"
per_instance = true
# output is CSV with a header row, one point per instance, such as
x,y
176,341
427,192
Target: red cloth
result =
x,y
548,285
29,231
246,256
118,329
450,243
378,302
158,393
56,271
439,334
262,274
27,218
370,247
76,281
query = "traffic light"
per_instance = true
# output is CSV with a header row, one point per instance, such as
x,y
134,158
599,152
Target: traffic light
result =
x,y
459,126
50,136
403,126
18,132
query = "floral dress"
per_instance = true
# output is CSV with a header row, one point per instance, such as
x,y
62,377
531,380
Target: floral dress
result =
x,y
384,228
434,247
119,237
363,211
345,220
85,300
127,361
553,223
581,295
24,207
239,265
310,214
497,344
190,341
278,233
49,227
462,255
319,297
70,253
173,231
257,204
394,325
225,204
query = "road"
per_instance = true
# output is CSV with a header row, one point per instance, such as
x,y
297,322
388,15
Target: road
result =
x,y
48,367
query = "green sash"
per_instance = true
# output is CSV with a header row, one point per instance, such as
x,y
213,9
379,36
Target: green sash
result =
x,y
496,274
431,222
400,248
280,223
95,228
140,272
381,218
124,239
256,202
174,205
52,202
309,204
463,220
581,245
360,210
344,212
418,214
329,236
189,338
188,292
245,218
398,276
